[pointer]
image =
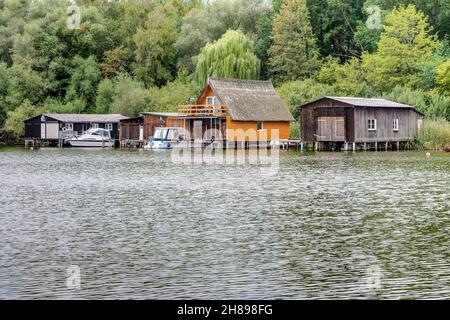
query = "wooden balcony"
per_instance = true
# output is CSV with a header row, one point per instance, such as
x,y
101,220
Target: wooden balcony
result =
x,y
202,110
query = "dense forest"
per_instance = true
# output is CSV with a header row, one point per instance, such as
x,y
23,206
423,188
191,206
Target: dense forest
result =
x,y
128,56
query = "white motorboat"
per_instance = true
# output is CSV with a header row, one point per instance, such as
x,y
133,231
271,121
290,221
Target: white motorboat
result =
x,y
99,138
164,138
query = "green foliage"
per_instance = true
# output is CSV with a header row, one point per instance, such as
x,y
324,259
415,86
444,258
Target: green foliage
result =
x,y
334,23
431,103
85,75
208,23
443,77
126,54
167,98
435,134
295,131
155,55
405,44
105,96
293,54
231,56
295,93
14,123
347,79
23,83
263,42
130,96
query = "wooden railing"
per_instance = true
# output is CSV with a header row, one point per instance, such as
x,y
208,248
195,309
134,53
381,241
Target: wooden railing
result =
x,y
202,110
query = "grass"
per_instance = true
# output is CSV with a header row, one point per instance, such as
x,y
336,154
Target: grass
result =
x,y
435,135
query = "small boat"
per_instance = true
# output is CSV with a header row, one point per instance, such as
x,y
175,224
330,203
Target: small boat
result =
x,y
447,148
164,138
99,138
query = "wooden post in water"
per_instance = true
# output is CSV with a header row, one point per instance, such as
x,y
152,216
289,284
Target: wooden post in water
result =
x,y
386,146
354,146
376,146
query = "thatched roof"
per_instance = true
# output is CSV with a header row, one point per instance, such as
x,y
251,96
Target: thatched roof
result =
x,y
67,117
250,100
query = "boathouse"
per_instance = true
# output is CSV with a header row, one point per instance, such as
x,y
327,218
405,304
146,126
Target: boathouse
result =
x,y
237,110
135,130
54,126
358,123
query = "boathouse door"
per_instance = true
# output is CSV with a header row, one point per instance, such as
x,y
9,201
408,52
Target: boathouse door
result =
x,y
330,129
43,130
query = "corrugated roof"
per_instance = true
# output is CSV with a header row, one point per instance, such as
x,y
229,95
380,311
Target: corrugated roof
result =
x,y
370,102
162,114
67,117
250,100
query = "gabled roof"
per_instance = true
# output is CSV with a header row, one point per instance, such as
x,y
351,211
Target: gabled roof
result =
x,y
366,102
369,102
68,117
250,100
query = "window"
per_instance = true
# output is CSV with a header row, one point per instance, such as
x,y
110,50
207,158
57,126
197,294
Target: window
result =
x,y
395,125
212,103
69,126
94,125
109,126
212,100
260,125
372,124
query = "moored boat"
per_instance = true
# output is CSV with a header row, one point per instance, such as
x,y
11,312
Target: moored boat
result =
x,y
164,138
98,138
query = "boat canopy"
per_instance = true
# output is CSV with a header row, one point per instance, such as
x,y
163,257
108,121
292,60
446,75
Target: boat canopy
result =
x,y
99,132
166,134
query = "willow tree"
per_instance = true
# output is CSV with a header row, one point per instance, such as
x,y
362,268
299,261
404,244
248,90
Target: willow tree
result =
x,y
231,56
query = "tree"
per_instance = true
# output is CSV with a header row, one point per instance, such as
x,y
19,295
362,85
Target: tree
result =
x,y
443,78
105,96
84,79
405,44
23,83
295,93
334,23
347,79
263,42
167,98
293,54
130,96
231,56
208,23
14,122
113,62
155,55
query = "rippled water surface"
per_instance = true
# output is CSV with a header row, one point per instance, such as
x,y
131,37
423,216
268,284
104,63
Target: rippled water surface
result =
x,y
327,225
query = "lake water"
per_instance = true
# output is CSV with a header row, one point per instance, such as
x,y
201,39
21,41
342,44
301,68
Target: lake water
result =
x,y
136,225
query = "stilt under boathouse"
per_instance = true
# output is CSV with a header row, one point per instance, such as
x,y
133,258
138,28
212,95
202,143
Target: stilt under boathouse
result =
x,y
349,123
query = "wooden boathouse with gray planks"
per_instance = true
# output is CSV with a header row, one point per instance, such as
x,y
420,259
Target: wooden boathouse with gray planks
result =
x,y
332,123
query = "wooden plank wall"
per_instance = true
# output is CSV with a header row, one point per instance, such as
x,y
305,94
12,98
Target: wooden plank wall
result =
x,y
407,126
325,108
